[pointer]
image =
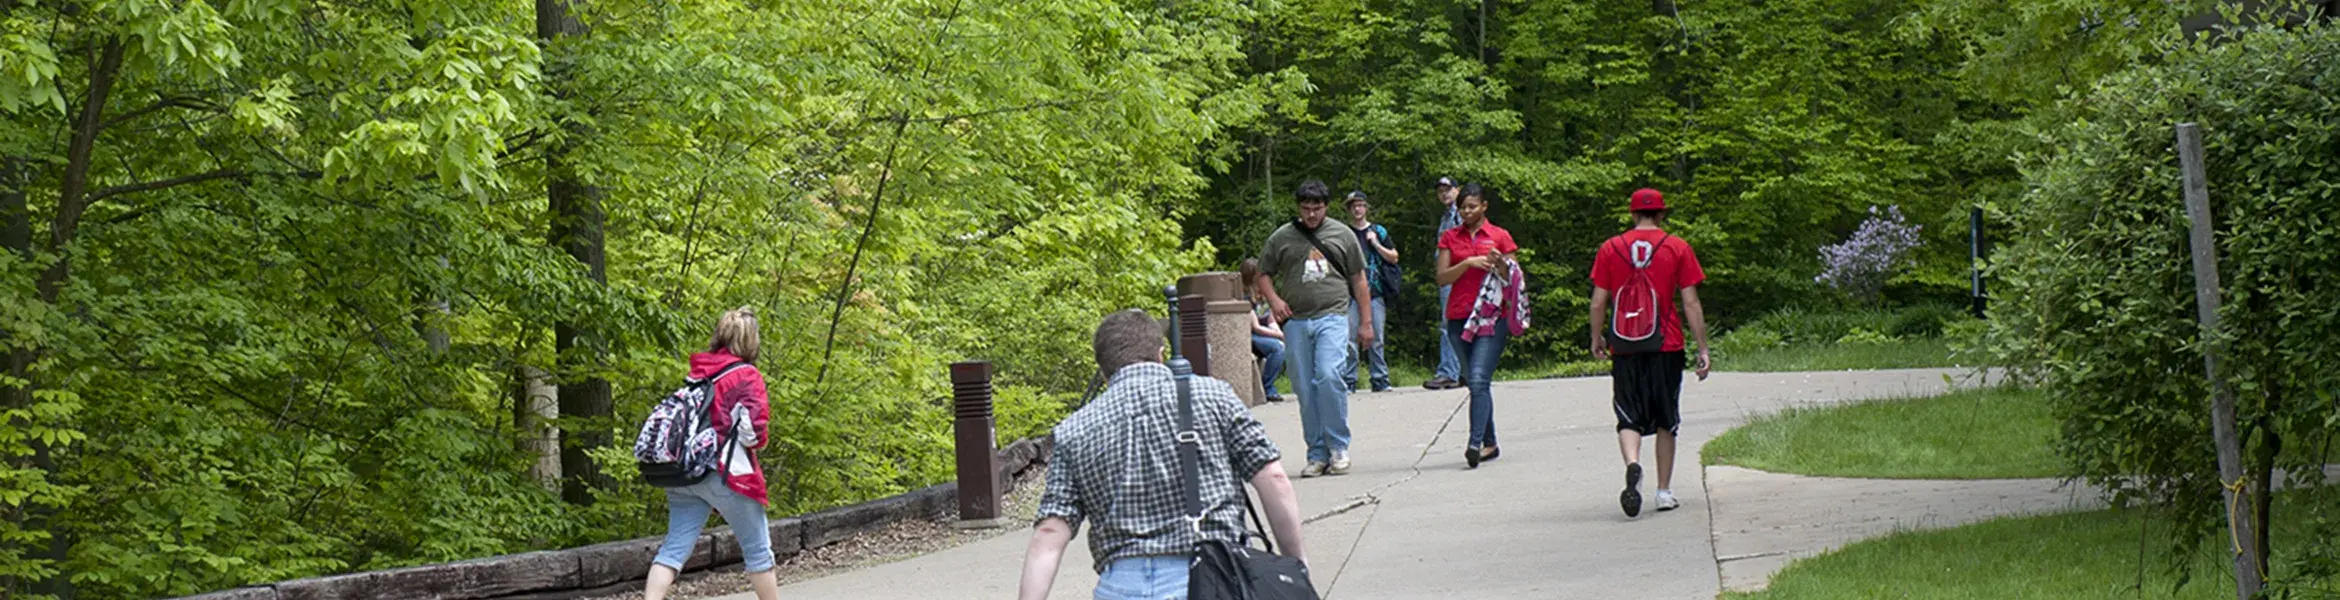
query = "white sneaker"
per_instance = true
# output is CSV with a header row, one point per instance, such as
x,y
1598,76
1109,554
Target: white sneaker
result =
x,y
1340,464
1313,469
1666,501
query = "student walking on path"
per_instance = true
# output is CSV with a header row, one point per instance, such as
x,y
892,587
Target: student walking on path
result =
x,y
1311,274
1267,337
736,488
1379,250
1449,371
1489,307
1116,468
1636,276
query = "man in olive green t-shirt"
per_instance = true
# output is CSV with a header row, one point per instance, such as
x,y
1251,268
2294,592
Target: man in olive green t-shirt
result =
x,y
1311,286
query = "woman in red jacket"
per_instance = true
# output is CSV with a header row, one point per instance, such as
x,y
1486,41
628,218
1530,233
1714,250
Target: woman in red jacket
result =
x,y
737,491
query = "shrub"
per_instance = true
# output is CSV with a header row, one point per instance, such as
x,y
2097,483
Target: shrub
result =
x,y
1925,320
1861,264
2099,293
1864,336
1748,339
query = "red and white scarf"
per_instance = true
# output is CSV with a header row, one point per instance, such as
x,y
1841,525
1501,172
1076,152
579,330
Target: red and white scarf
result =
x,y
1504,289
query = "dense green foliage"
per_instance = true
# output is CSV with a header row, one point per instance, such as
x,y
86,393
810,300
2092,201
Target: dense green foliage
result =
x,y
2100,289
279,275
309,266
1989,433
1771,126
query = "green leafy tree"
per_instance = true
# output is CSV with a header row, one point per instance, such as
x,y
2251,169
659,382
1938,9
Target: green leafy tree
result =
x,y
2100,289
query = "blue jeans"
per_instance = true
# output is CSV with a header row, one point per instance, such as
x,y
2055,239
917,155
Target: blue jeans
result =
x,y
686,513
1270,350
1449,366
1483,353
1373,356
1144,578
1317,347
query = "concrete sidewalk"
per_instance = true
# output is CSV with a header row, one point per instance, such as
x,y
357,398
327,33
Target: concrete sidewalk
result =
x,y
1411,522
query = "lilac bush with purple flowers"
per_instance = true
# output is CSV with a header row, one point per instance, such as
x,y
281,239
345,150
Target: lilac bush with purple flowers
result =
x,y
1861,264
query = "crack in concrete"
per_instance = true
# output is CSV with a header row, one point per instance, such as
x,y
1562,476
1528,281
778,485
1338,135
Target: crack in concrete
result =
x,y
1373,498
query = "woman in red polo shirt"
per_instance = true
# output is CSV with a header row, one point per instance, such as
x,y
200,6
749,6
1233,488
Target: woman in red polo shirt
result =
x,y
1466,256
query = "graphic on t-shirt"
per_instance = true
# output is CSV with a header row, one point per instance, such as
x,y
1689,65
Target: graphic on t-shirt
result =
x,y
1642,252
1317,267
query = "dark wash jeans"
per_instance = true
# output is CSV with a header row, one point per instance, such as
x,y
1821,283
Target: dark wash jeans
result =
x,y
1478,358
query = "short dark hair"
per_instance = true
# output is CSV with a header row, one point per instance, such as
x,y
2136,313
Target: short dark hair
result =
x,y
1312,191
1126,338
1470,190
1654,215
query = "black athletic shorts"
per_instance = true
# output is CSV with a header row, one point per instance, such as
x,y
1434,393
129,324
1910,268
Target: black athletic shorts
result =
x,y
1649,391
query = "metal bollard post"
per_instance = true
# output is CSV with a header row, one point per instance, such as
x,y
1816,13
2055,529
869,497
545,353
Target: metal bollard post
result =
x,y
1179,365
1974,233
978,455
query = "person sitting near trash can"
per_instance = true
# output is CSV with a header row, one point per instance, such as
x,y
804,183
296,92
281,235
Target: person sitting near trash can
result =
x,y
1267,337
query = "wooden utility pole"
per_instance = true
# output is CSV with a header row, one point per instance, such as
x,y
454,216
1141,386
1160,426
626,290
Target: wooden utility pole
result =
x,y
2249,562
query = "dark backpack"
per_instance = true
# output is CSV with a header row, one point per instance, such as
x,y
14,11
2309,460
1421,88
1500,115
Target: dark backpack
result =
x,y
679,444
1392,276
1634,317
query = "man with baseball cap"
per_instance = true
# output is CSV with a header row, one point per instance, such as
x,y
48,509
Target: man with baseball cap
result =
x,y
1449,372
1639,272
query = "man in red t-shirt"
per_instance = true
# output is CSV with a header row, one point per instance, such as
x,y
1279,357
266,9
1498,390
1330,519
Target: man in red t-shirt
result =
x,y
1649,384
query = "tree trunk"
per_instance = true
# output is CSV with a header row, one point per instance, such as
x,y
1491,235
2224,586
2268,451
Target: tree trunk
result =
x,y
2263,487
16,235
576,226
430,320
534,406
72,201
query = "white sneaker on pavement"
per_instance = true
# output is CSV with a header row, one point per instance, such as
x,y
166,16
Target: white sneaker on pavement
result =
x,y
1313,469
1340,464
1666,502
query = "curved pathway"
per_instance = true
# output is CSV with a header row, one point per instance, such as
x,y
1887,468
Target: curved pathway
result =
x,y
1543,522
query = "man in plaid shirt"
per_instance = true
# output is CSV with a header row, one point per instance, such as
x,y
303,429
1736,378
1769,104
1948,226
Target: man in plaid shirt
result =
x,y
1116,467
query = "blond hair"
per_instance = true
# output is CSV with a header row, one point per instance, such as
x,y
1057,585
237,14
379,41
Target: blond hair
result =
x,y
736,331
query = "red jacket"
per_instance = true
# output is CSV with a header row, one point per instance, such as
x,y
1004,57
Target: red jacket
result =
x,y
741,391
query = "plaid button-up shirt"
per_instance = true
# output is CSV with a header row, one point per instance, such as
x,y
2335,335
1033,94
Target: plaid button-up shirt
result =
x,y
1116,466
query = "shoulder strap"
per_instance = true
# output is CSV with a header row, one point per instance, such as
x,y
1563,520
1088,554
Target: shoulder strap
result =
x,y
723,460
1189,451
1310,234
1625,249
1190,464
718,376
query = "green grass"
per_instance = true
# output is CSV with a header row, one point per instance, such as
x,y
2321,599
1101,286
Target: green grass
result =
x,y
1976,434
1896,354
2093,554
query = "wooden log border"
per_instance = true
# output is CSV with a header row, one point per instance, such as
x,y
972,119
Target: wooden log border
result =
x,y
614,567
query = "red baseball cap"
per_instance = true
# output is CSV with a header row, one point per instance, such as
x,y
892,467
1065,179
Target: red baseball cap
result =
x,y
1648,199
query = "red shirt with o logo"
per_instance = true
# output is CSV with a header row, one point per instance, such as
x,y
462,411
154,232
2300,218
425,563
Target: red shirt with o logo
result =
x,y
1672,266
